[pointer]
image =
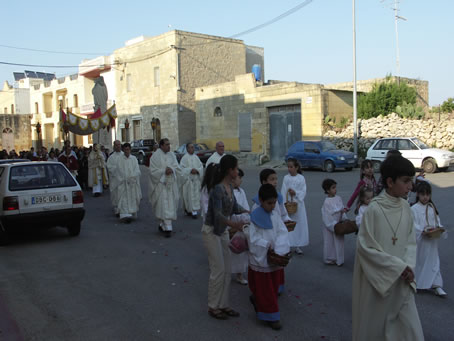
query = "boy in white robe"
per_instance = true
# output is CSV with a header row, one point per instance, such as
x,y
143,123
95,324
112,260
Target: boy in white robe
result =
x,y
266,232
129,191
113,170
163,186
240,261
333,211
192,171
425,215
383,280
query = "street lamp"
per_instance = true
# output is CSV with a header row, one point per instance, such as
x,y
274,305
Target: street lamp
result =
x,y
38,131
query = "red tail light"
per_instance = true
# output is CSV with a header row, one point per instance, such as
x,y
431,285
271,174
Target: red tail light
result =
x,y
78,197
10,204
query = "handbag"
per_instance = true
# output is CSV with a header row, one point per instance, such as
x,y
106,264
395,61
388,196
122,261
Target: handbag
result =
x,y
238,243
432,232
291,206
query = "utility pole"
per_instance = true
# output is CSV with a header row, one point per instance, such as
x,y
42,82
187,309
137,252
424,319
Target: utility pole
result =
x,y
397,17
355,124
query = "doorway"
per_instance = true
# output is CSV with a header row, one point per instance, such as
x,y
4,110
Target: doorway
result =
x,y
285,129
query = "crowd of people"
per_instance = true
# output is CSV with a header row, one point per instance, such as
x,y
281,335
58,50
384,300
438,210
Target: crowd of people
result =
x,y
396,253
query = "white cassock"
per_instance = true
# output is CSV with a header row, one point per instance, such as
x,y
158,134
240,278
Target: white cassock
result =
x,y
163,189
333,245
214,158
427,271
359,217
112,168
129,191
191,186
240,261
300,235
383,303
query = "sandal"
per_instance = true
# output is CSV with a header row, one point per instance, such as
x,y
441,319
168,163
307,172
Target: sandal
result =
x,y
217,314
230,312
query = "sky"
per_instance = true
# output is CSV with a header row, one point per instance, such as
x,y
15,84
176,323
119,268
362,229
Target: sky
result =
x,y
312,45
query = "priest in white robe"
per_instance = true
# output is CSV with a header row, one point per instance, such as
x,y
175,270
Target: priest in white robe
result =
x,y
217,156
163,186
97,172
129,191
191,171
383,282
112,167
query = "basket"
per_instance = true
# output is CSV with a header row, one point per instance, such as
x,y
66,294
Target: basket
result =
x,y
290,225
278,260
290,206
345,227
433,232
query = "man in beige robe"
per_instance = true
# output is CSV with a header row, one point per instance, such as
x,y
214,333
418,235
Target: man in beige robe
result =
x,y
112,167
383,281
216,156
97,172
163,186
191,170
129,191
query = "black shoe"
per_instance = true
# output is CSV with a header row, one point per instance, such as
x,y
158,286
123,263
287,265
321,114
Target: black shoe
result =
x,y
117,215
194,216
97,194
276,325
167,234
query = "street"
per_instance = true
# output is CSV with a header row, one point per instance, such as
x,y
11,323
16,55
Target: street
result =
x,y
127,282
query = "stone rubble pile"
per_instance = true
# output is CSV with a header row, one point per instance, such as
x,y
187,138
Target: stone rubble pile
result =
x,y
434,133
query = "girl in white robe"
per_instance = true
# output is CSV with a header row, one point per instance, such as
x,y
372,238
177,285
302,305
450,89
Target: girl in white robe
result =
x,y
427,270
365,196
240,261
295,185
333,210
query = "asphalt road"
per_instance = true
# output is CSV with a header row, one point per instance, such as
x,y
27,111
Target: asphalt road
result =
x,y
127,282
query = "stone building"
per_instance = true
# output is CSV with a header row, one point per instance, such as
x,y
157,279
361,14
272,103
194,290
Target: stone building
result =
x,y
15,132
266,119
156,80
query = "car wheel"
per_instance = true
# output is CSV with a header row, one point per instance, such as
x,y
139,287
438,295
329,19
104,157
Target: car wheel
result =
x,y
4,239
429,166
74,229
140,159
376,166
329,166
348,169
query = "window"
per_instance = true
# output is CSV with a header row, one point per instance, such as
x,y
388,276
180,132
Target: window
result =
x,y
5,110
75,101
128,82
217,112
385,145
12,108
36,108
406,145
157,80
136,129
39,176
310,147
123,134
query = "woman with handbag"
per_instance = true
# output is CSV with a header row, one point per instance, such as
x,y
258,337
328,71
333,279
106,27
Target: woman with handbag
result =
x,y
221,205
294,190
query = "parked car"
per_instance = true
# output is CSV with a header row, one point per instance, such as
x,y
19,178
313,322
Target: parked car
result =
x,y
200,149
142,149
39,195
3,161
321,154
421,155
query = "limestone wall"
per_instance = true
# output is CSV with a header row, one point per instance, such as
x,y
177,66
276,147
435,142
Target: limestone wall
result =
x,y
434,133
21,128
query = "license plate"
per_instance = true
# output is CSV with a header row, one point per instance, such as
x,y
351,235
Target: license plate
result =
x,y
46,199
351,161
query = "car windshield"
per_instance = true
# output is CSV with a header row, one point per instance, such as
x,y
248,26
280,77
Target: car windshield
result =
x,y
39,176
326,146
420,144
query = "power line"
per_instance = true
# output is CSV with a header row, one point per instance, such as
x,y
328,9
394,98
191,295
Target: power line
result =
x,y
272,21
49,51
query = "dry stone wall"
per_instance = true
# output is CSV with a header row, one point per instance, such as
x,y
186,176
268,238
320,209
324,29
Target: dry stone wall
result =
x,y
435,133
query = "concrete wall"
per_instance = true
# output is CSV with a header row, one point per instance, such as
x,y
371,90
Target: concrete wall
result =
x,y
338,104
244,95
21,127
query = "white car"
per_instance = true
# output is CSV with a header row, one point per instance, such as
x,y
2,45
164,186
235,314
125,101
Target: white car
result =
x,y
413,149
39,194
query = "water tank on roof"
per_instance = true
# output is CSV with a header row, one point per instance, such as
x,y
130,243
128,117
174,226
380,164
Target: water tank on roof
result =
x,y
257,71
